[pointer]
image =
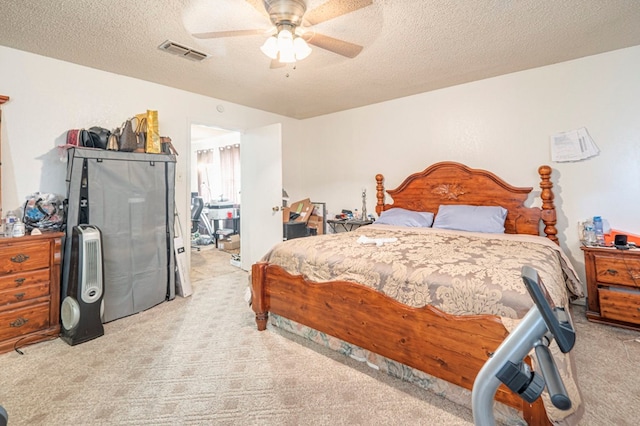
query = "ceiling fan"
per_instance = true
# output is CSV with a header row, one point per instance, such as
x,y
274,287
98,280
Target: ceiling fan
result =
x,y
289,38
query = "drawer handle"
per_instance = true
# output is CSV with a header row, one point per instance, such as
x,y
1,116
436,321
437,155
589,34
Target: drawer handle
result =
x,y
19,296
611,271
20,258
19,281
19,322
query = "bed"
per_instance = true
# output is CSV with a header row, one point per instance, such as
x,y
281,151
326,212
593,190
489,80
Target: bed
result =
x,y
440,312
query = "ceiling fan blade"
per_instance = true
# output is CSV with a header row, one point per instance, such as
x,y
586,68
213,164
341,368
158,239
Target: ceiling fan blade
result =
x,y
341,47
234,33
333,9
276,64
259,6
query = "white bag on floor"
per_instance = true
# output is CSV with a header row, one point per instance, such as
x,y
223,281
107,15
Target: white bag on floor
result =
x,y
183,282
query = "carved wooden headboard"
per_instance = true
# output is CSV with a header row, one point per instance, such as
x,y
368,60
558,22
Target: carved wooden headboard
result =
x,y
454,183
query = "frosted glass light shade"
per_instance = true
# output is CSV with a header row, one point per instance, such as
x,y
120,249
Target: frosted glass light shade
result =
x,y
270,47
301,48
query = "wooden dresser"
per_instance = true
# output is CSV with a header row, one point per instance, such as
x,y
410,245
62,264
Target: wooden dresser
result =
x,y
613,286
29,289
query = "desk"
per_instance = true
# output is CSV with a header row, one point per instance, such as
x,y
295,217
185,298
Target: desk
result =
x,y
229,227
347,224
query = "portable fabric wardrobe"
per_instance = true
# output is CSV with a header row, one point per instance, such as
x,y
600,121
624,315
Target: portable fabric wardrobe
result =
x,y
130,198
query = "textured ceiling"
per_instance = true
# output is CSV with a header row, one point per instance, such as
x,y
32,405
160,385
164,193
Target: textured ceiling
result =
x,y
410,46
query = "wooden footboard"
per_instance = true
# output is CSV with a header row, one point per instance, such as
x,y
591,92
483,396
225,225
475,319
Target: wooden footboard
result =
x,y
445,346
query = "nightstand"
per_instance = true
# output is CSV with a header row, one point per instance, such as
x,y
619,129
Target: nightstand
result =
x,y
613,286
347,224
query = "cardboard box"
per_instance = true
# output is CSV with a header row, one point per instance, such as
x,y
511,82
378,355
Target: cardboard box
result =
x,y
315,223
285,214
232,242
303,208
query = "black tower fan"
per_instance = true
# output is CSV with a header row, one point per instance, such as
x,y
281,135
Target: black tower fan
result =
x,y
81,309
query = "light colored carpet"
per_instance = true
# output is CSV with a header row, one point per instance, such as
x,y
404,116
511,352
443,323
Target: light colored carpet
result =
x,y
200,361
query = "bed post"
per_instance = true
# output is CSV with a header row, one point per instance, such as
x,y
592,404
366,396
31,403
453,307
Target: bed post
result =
x,y
258,302
548,208
379,193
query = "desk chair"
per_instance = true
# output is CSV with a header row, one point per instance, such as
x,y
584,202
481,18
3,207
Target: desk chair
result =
x,y
197,204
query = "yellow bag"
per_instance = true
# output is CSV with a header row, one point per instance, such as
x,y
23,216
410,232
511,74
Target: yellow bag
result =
x,y
153,145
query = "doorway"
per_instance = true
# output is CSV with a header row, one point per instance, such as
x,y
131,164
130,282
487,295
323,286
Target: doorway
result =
x,y
215,189
261,161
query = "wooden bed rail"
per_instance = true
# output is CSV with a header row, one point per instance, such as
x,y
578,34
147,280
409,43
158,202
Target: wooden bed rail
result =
x,y
452,348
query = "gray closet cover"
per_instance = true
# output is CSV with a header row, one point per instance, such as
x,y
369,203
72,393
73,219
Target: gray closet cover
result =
x,y
130,198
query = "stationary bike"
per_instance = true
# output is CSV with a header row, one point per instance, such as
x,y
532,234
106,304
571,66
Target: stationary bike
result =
x,y
538,328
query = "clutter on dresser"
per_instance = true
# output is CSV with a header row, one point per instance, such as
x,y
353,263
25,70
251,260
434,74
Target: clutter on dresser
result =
x,y
592,231
40,211
43,211
597,232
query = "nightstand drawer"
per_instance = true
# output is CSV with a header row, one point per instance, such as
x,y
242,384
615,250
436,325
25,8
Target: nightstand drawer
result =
x,y
15,257
620,304
618,270
17,322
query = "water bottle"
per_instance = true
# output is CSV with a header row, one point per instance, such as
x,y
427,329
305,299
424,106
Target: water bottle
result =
x,y
598,229
9,220
589,234
18,228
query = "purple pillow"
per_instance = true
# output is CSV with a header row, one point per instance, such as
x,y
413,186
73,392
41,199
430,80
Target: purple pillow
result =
x,y
460,217
402,217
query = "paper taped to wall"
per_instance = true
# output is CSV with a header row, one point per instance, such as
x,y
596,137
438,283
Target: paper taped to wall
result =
x,y
574,145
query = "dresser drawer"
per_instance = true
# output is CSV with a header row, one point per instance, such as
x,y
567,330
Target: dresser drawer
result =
x,y
618,270
21,294
620,304
17,322
24,257
24,279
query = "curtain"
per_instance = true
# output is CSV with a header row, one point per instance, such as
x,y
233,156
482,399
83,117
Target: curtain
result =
x,y
206,167
230,172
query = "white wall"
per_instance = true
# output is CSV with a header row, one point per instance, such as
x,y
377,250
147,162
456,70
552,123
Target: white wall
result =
x,y
49,96
502,124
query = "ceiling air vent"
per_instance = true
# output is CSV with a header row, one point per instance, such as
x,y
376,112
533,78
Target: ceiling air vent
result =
x,y
184,51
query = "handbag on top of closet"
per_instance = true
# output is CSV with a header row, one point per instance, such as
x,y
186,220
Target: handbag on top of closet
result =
x,y
141,133
128,138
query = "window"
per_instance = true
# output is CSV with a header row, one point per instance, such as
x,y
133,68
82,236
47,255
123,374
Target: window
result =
x,y
219,173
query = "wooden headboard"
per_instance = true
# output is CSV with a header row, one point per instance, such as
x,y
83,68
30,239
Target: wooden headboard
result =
x,y
454,183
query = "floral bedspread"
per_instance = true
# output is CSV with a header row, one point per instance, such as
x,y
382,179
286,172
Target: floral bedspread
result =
x,y
460,273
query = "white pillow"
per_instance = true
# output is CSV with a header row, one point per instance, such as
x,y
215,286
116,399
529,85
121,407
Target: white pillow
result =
x,y
488,219
402,217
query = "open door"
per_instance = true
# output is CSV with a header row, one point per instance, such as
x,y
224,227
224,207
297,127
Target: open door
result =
x,y
261,192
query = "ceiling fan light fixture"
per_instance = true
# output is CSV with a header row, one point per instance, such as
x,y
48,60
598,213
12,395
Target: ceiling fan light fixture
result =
x,y
285,45
270,47
285,40
301,48
287,56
